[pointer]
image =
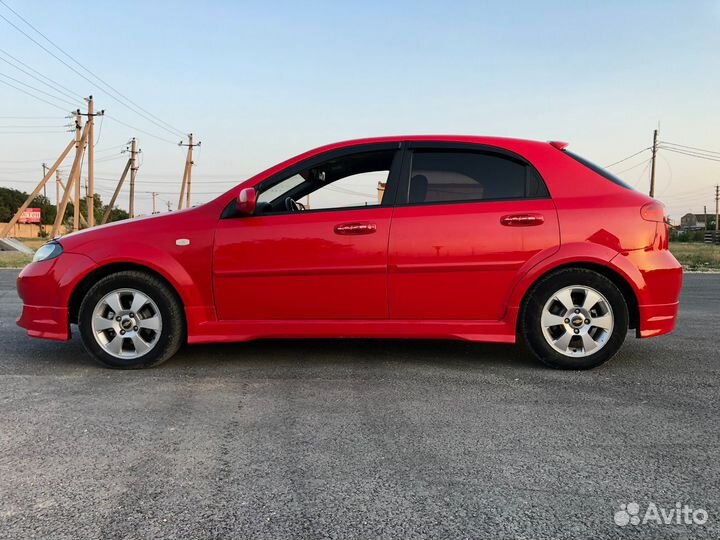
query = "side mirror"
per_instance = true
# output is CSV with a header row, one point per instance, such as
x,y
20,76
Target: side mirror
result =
x,y
247,201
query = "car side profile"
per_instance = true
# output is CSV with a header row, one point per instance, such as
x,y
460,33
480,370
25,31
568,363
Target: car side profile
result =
x,y
424,237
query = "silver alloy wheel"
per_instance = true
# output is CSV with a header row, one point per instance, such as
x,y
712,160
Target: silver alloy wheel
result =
x,y
577,321
126,323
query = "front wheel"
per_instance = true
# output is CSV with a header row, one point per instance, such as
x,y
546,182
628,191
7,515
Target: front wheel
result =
x,y
131,320
574,319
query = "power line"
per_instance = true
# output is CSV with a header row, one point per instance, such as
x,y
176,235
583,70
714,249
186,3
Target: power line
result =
x,y
623,159
201,179
110,148
29,132
40,160
709,158
691,148
66,93
140,130
159,122
102,119
28,117
690,192
33,95
18,81
633,167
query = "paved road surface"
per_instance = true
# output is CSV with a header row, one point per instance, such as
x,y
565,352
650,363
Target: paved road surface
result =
x,y
359,439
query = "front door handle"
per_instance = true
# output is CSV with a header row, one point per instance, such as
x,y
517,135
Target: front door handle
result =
x,y
522,220
355,228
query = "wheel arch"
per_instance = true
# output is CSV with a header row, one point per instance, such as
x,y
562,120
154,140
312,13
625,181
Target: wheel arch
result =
x,y
84,285
620,281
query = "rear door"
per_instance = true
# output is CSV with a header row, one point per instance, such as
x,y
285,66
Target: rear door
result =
x,y
468,219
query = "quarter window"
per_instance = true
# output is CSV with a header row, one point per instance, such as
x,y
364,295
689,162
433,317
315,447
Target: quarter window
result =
x,y
456,176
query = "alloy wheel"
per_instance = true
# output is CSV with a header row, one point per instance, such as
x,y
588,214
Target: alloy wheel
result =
x,y
126,323
577,321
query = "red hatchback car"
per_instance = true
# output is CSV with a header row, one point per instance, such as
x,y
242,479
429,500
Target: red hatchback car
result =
x,y
440,237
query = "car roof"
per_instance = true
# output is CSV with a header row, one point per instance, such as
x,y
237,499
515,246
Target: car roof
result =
x,y
500,142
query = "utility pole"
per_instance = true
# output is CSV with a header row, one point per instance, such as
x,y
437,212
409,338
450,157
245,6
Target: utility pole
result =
x,y
111,204
90,191
44,165
58,183
79,148
37,190
717,199
130,165
706,221
133,174
187,173
652,164
73,178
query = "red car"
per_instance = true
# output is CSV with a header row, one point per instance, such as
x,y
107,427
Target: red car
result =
x,y
440,237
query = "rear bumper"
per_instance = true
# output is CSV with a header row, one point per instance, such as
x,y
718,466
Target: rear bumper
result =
x,y
657,319
657,279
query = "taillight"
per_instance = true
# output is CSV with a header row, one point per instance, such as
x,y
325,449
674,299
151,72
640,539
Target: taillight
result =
x,y
653,211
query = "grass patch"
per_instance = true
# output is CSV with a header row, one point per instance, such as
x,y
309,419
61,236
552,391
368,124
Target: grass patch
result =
x,y
697,256
14,259
32,243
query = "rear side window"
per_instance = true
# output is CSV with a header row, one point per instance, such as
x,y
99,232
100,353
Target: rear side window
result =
x,y
457,176
599,170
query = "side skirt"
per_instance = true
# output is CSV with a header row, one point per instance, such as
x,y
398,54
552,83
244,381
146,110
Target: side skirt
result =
x,y
234,331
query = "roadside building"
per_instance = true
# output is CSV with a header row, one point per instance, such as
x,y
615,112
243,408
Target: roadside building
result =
x,y
693,222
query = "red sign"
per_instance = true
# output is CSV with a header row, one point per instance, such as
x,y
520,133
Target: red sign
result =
x,y
30,215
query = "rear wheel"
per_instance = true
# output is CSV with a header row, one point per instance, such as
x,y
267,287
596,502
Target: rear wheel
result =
x,y
574,318
131,320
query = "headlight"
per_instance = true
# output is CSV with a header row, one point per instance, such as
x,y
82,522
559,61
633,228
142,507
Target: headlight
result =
x,y
48,251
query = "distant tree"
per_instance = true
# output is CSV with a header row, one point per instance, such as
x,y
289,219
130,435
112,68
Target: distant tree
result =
x,y
12,199
117,214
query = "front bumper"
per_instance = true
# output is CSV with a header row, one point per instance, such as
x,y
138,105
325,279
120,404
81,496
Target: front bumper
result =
x,y
45,322
45,288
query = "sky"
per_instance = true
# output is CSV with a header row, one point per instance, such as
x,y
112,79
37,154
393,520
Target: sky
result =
x,y
258,82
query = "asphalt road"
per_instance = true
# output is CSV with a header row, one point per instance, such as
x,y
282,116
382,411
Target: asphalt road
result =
x,y
359,439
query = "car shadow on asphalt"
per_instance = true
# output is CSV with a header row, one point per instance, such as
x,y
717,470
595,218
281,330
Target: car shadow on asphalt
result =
x,y
367,352
216,359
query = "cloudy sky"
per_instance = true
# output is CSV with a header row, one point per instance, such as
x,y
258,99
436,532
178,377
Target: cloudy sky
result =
x,y
257,82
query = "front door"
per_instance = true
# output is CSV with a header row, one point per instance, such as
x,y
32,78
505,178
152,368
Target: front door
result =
x,y
317,246
467,221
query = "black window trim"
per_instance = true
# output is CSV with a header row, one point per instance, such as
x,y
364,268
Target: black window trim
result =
x,y
390,189
402,187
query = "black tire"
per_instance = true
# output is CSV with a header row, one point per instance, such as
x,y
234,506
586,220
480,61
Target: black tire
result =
x,y
543,290
172,334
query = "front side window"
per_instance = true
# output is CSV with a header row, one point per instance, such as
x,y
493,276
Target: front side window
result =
x,y
456,176
353,181
278,189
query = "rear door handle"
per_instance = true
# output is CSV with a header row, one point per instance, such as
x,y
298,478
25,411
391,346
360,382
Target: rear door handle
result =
x,y
355,228
522,220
